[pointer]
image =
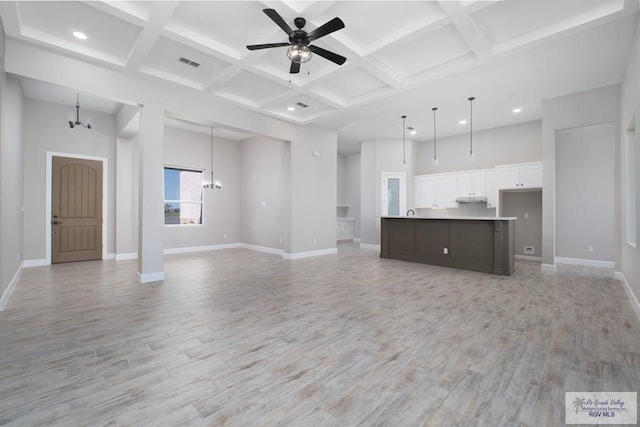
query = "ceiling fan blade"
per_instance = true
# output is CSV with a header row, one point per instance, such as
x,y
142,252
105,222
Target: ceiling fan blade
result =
x,y
295,68
266,46
333,57
275,17
334,25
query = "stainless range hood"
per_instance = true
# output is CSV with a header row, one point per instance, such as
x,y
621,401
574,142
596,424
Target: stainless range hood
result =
x,y
472,199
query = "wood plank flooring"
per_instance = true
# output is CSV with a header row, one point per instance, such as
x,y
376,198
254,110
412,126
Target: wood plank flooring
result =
x,y
242,338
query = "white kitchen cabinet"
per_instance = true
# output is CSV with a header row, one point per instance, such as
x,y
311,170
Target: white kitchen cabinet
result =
x,y
345,229
492,189
472,184
524,175
435,191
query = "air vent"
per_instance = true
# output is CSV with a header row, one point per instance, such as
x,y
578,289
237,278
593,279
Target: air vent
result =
x,y
189,62
302,105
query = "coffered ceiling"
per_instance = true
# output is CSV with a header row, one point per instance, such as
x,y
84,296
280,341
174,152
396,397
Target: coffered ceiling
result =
x,y
403,57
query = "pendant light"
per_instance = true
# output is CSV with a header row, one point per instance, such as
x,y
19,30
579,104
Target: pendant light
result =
x,y
404,151
471,154
435,161
212,184
73,124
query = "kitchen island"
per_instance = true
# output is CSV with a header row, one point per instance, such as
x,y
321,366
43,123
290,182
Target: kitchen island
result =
x,y
471,243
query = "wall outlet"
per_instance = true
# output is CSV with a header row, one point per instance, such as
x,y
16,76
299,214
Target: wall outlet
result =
x,y
18,255
529,250
315,241
526,215
589,248
224,235
446,251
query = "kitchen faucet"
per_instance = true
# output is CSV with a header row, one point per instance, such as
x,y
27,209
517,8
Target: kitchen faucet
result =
x,y
410,210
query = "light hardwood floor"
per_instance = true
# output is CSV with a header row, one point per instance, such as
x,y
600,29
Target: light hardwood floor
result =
x,y
243,338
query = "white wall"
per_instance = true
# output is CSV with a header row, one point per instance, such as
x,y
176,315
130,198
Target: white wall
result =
x,y
261,209
519,143
630,110
585,192
588,108
46,128
352,191
380,156
342,179
127,161
221,207
11,177
312,186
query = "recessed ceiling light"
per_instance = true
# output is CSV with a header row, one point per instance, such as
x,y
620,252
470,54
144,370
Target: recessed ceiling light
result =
x,y
291,108
79,35
517,110
463,122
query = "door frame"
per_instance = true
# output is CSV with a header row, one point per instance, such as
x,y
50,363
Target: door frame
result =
x,y
402,176
48,197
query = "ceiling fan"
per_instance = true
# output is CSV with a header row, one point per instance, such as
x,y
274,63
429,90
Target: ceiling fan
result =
x,y
299,48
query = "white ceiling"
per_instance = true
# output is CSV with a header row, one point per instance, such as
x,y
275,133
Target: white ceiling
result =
x,y
404,57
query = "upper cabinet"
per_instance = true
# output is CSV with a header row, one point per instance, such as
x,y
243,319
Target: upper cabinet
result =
x,y
524,175
472,184
435,191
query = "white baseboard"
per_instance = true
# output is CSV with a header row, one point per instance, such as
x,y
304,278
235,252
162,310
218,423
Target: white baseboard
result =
x,y
528,257
356,240
150,277
633,299
548,268
12,286
35,263
369,246
299,255
124,257
109,256
190,249
585,262
264,249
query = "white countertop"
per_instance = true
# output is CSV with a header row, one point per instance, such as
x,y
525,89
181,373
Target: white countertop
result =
x,y
345,218
474,218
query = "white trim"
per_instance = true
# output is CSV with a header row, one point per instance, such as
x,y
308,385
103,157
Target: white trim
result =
x,y
548,268
109,256
369,246
105,198
189,249
123,257
528,257
585,262
300,255
633,299
27,263
151,277
264,249
356,240
12,286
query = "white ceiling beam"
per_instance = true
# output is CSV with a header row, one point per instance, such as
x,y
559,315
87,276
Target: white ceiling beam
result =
x,y
468,30
161,13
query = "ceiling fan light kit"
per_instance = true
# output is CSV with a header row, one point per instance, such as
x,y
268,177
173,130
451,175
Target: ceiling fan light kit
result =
x,y
300,50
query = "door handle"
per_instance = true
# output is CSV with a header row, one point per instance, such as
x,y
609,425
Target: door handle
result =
x,y
54,222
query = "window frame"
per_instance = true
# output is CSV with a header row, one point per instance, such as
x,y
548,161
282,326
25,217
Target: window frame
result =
x,y
179,201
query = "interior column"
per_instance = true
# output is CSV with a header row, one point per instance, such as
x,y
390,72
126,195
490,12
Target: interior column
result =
x,y
151,217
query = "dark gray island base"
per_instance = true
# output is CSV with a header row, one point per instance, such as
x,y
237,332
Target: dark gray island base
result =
x,y
479,244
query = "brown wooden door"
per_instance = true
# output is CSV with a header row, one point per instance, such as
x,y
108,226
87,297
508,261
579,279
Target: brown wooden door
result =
x,y
76,223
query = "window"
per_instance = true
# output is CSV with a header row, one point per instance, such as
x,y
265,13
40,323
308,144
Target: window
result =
x,y
182,196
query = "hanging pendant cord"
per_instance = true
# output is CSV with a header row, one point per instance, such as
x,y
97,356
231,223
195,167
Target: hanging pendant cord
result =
x,y
471,125
212,156
435,152
404,158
